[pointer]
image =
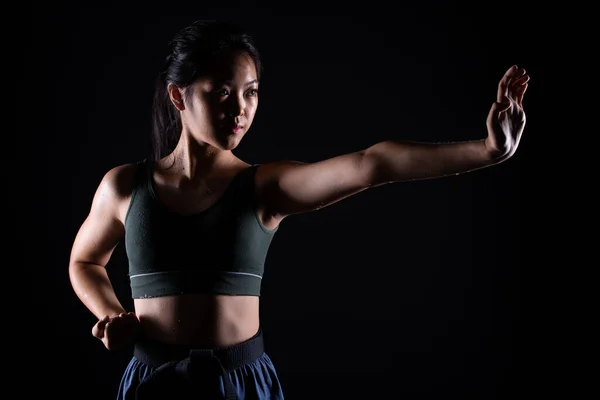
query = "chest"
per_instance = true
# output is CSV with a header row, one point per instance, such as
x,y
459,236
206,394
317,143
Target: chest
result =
x,y
188,202
186,198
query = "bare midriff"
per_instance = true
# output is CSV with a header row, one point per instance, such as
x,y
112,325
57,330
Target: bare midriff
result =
x,y
199,320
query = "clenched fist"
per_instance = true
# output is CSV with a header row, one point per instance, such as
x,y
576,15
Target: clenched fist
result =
x,y
117,332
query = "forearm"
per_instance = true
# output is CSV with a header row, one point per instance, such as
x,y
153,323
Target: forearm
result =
x,y
396,160
93,287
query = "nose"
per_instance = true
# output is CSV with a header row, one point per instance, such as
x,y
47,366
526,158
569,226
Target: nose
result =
x,y
236,107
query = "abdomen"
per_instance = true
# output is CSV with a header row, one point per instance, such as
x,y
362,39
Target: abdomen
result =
x,y
200,320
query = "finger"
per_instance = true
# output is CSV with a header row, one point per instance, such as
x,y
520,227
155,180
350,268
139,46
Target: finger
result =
x,y
97,332
103,322
114,332
521,87
514,90
132,318
504,83
521,94
512,74
107,335
108,328
511,71
521,80
98,328
132,314
114,324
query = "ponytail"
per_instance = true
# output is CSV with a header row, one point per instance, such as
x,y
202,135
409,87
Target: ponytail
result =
x,y
166,121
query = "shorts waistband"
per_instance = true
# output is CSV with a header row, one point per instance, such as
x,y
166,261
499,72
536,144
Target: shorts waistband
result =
x,y
155,353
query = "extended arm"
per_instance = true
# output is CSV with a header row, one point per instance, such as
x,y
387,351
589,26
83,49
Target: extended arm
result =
x,y
295,187
395,160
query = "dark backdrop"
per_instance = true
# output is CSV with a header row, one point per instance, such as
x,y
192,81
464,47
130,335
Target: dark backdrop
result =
x,y
411,290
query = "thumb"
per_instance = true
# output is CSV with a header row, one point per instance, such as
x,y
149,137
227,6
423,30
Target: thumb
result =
x,y
98,328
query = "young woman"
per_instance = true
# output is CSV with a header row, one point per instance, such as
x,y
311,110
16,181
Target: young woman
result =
x,y
197,221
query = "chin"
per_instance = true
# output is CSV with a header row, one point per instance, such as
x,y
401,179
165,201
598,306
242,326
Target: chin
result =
x,y
231,144
230,148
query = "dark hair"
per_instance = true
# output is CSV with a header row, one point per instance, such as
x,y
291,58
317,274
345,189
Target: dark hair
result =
x,y
193,51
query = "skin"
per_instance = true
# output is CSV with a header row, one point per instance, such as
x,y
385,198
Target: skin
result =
x,y
198,171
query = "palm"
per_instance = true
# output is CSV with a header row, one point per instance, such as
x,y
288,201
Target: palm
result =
x,y
506,119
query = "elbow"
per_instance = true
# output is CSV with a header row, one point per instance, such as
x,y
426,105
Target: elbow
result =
x,y
372,168
75,269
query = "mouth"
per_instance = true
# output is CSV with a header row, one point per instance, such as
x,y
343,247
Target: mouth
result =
x,y
236,128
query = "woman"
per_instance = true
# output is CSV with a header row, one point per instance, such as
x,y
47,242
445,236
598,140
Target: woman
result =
x,y
197,221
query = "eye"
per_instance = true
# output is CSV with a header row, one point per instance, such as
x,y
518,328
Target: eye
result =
x,y
252,92
222,92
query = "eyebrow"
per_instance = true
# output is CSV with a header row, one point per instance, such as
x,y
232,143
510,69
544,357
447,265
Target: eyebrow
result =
x,y
229,82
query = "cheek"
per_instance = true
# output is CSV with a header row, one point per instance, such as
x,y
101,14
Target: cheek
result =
x,y
252,107
204,116
212,112
205,106
217,110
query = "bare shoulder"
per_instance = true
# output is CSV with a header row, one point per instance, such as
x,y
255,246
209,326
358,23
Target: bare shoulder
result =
x,y
119,179
115,189
266,183
269,172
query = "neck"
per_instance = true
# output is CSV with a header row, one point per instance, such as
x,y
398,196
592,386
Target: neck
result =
x,y
192,159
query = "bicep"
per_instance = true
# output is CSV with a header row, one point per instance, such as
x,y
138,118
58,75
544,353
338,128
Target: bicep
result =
x,y
102,228
302,187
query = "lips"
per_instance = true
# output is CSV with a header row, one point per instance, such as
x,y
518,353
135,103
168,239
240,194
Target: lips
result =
x,y
235,128
232,127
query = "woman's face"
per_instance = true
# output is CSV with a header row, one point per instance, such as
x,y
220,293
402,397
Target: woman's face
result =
x,y
221,106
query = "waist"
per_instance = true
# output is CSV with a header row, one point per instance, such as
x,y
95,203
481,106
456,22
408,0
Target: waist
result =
x,y
156,353
199,319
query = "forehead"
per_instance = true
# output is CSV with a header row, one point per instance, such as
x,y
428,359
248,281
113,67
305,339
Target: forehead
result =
x,y
233,65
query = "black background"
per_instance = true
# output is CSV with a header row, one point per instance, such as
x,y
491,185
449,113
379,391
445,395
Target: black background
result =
x,y
414,290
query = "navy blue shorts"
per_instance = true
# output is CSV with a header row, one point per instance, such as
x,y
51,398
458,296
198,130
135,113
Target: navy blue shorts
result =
x,y
162,371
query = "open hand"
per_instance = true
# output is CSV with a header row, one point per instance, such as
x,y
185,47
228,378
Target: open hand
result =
x,y
117,332
506,119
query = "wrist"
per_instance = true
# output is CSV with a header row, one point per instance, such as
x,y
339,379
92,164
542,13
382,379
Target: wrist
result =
x,y
110,312
492,151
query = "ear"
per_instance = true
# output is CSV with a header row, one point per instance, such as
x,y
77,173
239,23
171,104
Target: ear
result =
x,y
176,96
